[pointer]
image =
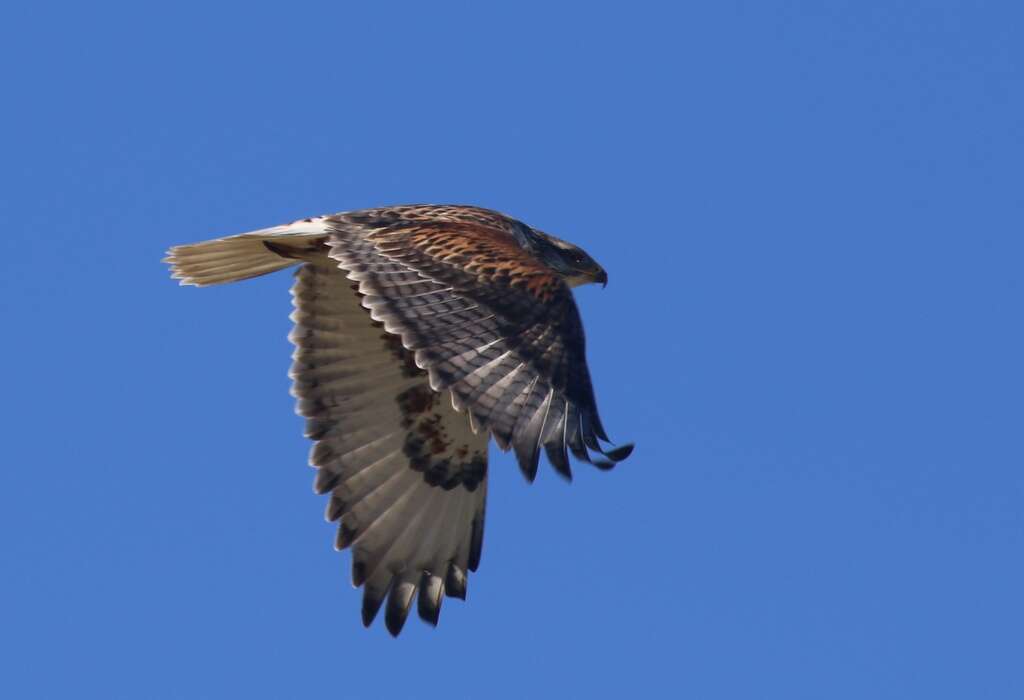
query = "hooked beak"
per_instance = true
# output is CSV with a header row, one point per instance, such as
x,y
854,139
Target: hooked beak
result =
x,y
601,277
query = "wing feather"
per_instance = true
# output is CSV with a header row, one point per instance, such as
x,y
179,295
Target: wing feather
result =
x,y
485,318
405,474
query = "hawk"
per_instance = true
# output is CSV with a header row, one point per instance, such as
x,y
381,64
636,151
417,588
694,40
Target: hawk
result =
x,y
421,332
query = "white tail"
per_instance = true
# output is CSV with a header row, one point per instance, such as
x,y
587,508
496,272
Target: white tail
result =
x,y
243,256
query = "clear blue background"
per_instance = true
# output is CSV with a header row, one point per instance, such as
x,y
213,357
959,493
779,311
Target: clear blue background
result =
x,y
812,217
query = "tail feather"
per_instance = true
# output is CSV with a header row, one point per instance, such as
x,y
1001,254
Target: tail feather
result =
x,y
243,256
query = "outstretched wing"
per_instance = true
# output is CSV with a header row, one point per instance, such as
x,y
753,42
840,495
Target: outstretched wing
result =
x,y
407,476
486,319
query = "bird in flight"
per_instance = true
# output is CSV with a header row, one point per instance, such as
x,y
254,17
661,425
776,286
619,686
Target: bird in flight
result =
x,y
421,332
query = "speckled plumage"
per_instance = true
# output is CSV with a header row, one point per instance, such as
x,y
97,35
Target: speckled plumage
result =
x,y
398,310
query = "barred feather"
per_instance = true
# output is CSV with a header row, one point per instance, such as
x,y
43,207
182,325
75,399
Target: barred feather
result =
x,y
480,312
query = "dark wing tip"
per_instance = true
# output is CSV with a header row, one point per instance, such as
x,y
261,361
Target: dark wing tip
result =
x,y
430,597
528,458
372,601
592,434
399,602
335,509
455,582
326,480
559,460
621,452
358,572
346,535
611,457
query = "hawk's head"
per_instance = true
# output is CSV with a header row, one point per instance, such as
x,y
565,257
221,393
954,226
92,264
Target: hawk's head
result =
x,y
571,262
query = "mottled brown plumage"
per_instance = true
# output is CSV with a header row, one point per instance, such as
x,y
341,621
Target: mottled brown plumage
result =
x,y
408,320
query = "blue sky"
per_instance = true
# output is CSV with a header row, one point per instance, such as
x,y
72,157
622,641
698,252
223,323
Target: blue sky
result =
x,y
811,214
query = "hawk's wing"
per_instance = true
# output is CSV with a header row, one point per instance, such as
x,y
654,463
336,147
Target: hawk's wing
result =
x,y
486,319
407,476
457,303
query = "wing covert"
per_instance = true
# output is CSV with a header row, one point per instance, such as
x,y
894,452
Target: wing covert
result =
x,y
486,319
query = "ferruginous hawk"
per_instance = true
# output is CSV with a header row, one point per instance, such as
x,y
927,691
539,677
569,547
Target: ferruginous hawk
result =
x,y
422,331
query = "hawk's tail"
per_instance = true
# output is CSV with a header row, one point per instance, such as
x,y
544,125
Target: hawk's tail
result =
x,y
246,255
